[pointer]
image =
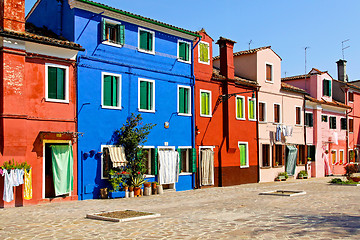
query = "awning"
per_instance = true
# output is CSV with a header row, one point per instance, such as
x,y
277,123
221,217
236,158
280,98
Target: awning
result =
x,y
117,156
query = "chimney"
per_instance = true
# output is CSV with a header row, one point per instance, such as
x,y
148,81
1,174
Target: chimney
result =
x,y
226,57
341,65
12,15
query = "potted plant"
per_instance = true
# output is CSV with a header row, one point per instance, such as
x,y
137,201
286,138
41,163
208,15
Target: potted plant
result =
x,y
276,164
154,188
303,174
282,176
116,181
350,170
309,159
137,182
147,184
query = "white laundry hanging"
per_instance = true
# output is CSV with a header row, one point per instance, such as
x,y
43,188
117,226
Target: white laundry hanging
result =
x,y
168,166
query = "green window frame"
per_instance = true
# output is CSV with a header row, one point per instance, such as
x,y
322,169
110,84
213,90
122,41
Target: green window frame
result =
x,y
112,32
205,103
204,50
57,83
183,51
244,154
184,100
111,91
240,107
327,87
252,108
146,95
146,41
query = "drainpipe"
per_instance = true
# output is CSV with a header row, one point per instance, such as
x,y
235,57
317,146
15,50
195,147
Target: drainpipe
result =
x,y
193,104
257,133
304,105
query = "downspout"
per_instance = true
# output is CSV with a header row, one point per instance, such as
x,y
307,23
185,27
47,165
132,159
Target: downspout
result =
x,y
257,134
192,84
80,162
305,142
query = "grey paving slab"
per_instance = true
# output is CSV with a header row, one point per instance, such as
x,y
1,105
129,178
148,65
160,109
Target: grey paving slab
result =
x,y
238,212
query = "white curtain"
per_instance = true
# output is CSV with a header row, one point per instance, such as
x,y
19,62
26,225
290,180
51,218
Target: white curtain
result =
x,y
168,166
207,167
117,156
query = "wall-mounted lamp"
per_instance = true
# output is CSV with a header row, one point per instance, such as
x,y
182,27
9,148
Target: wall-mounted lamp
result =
x,y
225,97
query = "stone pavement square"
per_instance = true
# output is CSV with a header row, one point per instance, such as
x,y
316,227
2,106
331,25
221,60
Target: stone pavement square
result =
x,y
238,212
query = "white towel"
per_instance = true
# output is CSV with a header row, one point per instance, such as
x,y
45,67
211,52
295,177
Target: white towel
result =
x,y
168,166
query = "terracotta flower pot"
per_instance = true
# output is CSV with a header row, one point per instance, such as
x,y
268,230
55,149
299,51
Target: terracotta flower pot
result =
x,y
355,179
126,189
147,184
137,191
131,189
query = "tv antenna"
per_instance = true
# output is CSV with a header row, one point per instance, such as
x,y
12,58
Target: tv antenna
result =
x,y
306,48
343,48
250,44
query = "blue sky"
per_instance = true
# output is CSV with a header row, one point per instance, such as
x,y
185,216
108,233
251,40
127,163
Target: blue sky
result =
x,y
287,25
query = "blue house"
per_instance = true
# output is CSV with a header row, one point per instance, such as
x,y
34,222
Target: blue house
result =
x,y
131,64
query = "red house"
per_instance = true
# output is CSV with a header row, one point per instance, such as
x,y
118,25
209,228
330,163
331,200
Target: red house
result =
x,y
38,107
226,125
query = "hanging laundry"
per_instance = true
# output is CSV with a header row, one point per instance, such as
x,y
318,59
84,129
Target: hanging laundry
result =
x,y
28,184
283,130
278,133
336,138
168,166
1,171
289,131
21,176
8,185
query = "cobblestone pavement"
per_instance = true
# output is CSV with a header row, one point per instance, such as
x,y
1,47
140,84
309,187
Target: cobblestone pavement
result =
x,y
238,212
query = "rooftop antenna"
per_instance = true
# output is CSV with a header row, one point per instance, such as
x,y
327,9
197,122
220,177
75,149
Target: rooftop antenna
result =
x,y
250,44
343,48
306,48
285,73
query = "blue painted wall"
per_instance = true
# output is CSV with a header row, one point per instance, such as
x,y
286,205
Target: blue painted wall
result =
x,y
98,124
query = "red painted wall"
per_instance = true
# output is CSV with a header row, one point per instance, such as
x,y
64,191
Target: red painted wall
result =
x,y
216,130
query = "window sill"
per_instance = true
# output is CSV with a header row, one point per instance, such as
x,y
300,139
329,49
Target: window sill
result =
x,y
112,44
148,176
244,167
183,61
109,107
275,123
241,119
207,63
185,173
146,111
254,120
301,165
263,122
208,116
184,114
145,51
272,82
56,100
267,167
279,166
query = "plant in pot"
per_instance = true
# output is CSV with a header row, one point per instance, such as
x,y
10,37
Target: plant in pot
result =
x,y
147,184
137,182
349,172
282,176
116,181
303,174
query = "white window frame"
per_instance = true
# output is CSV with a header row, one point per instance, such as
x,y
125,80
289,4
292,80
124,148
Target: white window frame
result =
x,y
336,158
247,154
342,150
280,118
272,72
210,103
331,86
119,90
299,116
102,159
208,62
189,102
66,90
106,41
348,124
145,110
265,112
178,48
149,166
188,148
243,107
153,41
330,116
255,109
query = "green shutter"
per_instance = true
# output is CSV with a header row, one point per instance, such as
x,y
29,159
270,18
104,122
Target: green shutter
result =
x,y
150,96
150,41
107,91
114,91
181,100
60,83
154,161
143,40
143,95
120,34
239,109
242,148
202,50
205,103
206,53
187,52
52,82
193,161
103,28
180,159
186,100
329,81
251,109
182,50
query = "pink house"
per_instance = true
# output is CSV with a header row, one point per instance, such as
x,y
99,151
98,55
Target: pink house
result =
x,y
326,123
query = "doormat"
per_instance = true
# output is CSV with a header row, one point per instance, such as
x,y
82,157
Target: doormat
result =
x,y
122,216
286,193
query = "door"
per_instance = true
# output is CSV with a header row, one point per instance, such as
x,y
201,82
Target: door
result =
x,y
206,166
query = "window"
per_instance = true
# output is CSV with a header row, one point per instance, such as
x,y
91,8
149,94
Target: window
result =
x,y
309,120
269,73
111,91
262,111
343,124
341,157
333,157
301,160
146,95
57,83
244,155
352,157
351,97
149,154
332,122
298,115
351,125
184,51
204,53
205,103
327,88
252,108
324,118
107,162
240,108
184,100
112,32
106,165
276,113
186,159
146,41
265,155
278,155
311,152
